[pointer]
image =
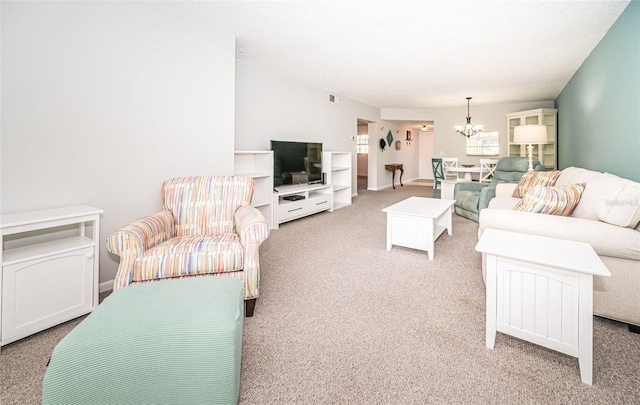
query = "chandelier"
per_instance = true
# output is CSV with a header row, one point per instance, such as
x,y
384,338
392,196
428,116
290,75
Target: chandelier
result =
x,y
468,129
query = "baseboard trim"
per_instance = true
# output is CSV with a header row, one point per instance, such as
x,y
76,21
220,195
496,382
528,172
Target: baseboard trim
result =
x,y
105,286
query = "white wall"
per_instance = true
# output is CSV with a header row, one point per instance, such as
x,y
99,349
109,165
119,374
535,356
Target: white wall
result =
x,y
101,101
493,117
269,106
407,155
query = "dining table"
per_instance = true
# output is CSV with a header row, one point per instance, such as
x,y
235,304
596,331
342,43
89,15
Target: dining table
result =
x,y
467,171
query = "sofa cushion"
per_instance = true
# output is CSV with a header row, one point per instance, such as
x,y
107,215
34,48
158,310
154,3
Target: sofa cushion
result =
x,y
606,239
531,179
190,255
620,201
560,200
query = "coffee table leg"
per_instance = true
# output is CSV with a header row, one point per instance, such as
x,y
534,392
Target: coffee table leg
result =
x,y
389,228
490,333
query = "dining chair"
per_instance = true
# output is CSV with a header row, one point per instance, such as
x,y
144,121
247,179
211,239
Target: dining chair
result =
x,y
487,167
446,164
438,173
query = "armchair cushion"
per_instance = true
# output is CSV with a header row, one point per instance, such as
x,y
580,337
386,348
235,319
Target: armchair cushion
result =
x,y
190,255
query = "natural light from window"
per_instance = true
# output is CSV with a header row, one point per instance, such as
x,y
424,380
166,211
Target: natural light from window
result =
x,y
362,144
484,144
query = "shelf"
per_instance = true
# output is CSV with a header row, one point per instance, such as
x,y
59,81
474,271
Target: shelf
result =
x,y
254,175
337,166
40,250
546,153
258,165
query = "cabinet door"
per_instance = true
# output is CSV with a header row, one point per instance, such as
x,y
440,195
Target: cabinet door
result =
x,y
40,293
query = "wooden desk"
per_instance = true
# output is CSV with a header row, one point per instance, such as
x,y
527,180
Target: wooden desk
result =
x,y
392,167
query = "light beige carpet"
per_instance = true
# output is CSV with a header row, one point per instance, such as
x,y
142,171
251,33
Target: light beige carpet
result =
x,y
342,321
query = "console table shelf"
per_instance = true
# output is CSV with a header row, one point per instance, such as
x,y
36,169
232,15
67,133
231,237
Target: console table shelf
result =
x,y
312,198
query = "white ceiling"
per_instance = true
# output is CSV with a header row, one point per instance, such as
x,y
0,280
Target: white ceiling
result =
x,y
418,54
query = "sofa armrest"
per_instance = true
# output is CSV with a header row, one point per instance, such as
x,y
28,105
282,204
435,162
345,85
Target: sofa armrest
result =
x,y
505,189
130,241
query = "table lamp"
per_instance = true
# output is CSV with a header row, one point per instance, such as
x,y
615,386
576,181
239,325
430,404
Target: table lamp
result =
x,y
530,134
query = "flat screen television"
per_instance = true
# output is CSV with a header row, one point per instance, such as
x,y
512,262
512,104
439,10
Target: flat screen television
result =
x,y
296,162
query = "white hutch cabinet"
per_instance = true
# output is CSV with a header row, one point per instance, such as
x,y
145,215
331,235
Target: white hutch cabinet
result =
x,y
545,153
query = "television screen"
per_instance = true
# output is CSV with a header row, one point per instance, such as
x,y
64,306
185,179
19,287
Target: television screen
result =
x,y
296,162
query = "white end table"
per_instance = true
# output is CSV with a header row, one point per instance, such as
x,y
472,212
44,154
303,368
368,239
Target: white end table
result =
x,y
540,289
417,222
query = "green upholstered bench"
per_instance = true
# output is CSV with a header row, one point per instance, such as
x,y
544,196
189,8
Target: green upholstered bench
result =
x,y
166,342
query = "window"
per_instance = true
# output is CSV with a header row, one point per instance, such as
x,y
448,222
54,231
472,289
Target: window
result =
x,y
362,144
484,144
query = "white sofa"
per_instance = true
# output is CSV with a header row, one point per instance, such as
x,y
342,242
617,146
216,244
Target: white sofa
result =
x,y
607,217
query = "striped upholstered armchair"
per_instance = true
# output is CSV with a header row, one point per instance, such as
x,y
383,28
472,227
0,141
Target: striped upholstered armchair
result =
x,y
206,227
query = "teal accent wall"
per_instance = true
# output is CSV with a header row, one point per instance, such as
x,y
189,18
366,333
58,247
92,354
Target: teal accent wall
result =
x,y
599,109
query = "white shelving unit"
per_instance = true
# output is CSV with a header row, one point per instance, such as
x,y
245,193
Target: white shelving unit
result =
x,y
297,201
259,166
337,166
545,153
49,268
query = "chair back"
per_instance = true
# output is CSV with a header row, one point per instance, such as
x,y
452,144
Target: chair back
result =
x,y
487,167
438,169
205,204
446,164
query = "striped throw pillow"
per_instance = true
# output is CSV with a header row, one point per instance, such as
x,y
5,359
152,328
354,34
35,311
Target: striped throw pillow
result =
x,y
559,200
531,179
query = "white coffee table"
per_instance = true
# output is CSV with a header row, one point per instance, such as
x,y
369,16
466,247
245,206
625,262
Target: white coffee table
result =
x,y
417,222
540,289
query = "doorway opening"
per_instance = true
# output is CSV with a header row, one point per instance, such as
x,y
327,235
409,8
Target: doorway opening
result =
x,y
362,150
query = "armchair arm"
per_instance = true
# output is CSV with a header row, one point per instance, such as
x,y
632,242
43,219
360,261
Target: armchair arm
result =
x,y
469,186
130,241
253,229
251,225
486,195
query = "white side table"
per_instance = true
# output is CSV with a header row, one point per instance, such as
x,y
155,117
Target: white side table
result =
x,y
447,188
540,289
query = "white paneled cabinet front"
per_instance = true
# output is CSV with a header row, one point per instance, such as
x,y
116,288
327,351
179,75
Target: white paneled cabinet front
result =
x,y
40,293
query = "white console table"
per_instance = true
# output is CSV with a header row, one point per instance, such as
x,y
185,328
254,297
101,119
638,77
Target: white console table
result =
x,y
540,289
49,268
311,199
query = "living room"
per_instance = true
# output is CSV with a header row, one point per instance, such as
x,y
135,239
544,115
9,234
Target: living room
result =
x,y
103,101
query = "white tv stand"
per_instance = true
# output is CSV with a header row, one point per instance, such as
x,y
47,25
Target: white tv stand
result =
x,y
316,198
